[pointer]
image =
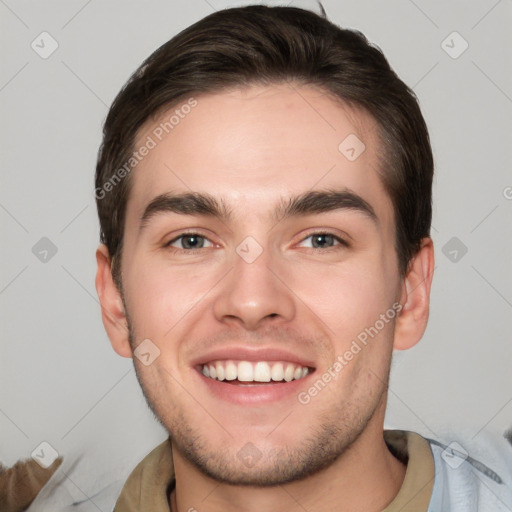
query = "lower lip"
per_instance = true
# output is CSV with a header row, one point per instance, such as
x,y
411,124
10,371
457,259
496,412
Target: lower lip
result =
x,y
254,394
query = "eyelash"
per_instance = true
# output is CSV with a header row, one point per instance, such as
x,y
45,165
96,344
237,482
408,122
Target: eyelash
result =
x,y
342,242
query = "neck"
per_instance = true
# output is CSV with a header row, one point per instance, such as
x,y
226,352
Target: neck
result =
x,y
366,477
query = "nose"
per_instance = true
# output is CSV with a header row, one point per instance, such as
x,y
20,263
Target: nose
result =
x,y
255,293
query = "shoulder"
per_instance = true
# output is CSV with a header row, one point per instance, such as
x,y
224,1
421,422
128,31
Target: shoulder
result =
x,y
147,486
471,473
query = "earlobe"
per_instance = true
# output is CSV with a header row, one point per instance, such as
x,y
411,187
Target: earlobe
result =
x,y
415,298
112,308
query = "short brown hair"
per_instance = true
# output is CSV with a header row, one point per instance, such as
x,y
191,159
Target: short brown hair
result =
x,y
268,45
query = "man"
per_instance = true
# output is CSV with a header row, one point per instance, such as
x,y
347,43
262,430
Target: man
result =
x,y
264,195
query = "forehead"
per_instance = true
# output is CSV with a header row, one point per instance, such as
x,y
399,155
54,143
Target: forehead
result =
x,y
252,146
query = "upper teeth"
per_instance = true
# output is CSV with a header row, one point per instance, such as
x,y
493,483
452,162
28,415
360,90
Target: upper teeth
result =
x,y
260,371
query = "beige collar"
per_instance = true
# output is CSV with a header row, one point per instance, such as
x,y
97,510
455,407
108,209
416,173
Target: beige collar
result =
x,y
149,484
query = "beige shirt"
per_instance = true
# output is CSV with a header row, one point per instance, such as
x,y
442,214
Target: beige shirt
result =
x,y
148,486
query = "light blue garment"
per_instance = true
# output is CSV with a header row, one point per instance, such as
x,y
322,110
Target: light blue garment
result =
x,y
472,483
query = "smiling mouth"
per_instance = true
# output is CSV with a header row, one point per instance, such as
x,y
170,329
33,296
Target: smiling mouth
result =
x,y
254,372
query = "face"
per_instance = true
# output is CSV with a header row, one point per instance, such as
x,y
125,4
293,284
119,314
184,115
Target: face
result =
x,y
268,277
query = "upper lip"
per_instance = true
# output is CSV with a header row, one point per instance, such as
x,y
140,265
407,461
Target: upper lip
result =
x,y
252,354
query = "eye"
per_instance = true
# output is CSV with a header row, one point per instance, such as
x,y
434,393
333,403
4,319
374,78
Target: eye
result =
x,y
325,241
188,242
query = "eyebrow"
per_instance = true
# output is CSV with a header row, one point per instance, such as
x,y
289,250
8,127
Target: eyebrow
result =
x,y
311,202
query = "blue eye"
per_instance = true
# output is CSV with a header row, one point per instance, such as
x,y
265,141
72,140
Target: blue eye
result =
x,y
325,240
189,241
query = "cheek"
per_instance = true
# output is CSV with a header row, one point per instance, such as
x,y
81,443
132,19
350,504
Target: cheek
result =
x,y
347,298
160,296
356,303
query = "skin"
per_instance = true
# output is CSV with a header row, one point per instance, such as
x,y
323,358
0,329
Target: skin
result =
x,y
252,148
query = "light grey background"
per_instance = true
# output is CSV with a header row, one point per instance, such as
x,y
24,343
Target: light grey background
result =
x,y
61,382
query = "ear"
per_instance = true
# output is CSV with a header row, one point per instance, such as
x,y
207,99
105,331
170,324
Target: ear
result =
x,y
112,308
415,298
